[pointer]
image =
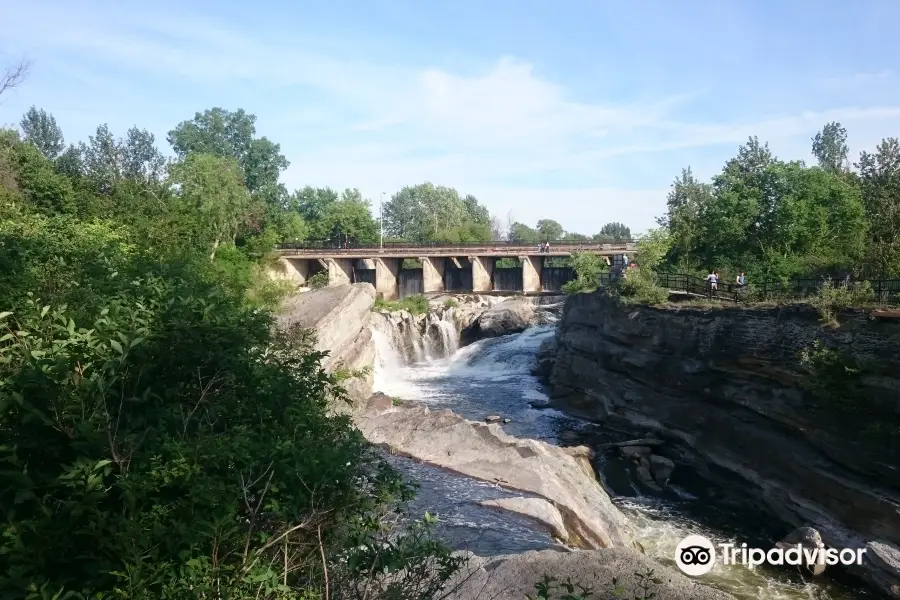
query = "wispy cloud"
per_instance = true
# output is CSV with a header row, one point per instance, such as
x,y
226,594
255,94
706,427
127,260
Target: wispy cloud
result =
x,y
508,131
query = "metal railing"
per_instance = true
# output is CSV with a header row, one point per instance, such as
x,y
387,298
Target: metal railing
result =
x,y
884,290
310,246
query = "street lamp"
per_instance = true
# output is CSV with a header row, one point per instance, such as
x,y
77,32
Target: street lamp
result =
x,y
381,218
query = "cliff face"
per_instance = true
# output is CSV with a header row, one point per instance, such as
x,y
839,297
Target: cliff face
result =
x,y
340,317
725,385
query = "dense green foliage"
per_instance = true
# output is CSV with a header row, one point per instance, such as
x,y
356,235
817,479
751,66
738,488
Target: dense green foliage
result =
x,y
776,219
159,440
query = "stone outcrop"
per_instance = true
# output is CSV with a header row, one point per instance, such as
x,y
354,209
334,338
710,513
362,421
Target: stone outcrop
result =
x,y
724,386
603,571
583,514
340,317
513,315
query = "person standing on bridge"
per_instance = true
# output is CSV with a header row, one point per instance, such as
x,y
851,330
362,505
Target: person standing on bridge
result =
x,y
547,247
713,281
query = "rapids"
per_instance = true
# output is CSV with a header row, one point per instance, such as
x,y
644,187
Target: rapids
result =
x,y
493,377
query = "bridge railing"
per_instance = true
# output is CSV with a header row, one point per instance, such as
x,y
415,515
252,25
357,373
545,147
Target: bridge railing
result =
x,y
886,291
312,245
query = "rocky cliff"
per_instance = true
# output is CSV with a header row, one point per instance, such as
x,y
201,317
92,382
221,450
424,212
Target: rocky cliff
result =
x,y
727,387
340,318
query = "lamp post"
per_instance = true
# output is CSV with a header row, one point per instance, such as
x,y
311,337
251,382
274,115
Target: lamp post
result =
x,y
381,219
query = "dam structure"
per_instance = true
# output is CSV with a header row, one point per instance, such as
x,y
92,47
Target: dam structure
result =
x,y
399,270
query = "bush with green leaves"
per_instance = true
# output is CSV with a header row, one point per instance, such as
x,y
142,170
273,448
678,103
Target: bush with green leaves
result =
x,y
166,444
318,281
587,267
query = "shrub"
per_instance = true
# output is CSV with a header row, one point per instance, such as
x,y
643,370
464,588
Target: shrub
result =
x,y
318,281
639,285
832,298
450,303
416,305
170,446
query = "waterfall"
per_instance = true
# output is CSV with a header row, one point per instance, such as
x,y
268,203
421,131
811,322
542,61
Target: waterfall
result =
x,y
441,334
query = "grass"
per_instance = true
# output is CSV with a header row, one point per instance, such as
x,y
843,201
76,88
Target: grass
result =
x,y
416,305
450,303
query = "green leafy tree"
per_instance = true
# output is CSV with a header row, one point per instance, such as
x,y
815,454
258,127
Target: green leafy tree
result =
x,y
686,202
519,232
311,202
212,189
349,218
617,231
224,133
829,146
879,177
421,213
40,128
548,229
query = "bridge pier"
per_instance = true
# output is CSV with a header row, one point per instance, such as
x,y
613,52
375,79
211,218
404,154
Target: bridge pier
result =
x,y
296,269
340,270
432,274
531,273
482,273
387,272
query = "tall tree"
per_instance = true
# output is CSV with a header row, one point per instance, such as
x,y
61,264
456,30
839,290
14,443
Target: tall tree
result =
x,y
686,202
549,229
521,233
312,202
102,159
349,218
418,213
141,160
616,231
879,175
224,133
40,128
212,190
830,148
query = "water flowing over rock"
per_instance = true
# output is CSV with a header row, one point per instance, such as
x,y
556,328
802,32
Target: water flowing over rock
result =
x,y
514,577
436,333
723,386
485,452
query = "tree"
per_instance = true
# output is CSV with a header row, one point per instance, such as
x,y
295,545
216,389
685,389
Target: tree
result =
x,y
102,160
549,229
141,160
830,147
14,76
418,213
617,231
40,128
224,133
523,234
349,218
686,202
879,175
311,202
212,188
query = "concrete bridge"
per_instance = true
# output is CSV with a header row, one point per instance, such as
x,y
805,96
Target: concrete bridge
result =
x,y
445,267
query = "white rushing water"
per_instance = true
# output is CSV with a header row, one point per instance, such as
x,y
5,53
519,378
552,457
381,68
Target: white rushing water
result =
x,y
493,376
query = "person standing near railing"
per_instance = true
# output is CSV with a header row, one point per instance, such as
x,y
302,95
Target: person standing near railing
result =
x,y
712,282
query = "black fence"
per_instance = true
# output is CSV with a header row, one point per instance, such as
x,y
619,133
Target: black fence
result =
x,y
882,290
394,245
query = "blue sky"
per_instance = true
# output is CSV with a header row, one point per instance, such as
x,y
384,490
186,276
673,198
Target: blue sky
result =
x,y
582,111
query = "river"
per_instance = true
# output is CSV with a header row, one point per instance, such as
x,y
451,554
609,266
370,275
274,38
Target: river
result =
x,y
494,377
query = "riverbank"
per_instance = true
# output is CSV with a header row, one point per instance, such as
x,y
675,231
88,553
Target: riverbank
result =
x,y
728,389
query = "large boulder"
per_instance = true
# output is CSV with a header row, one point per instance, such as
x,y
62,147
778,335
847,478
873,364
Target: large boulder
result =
x,y
510,316
603,571
561,477
339,316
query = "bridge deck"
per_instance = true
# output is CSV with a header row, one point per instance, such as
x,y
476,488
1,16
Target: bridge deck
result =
x,y
453,251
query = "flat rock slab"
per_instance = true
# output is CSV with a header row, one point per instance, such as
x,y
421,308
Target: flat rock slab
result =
x,y
513,577
485,452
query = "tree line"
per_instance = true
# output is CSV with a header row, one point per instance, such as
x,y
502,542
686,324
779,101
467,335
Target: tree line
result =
x,y
779,219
